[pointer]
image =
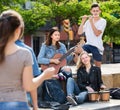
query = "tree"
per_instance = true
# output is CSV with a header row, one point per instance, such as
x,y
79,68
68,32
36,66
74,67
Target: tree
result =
x,y
36,17
33,18
56,11
112,32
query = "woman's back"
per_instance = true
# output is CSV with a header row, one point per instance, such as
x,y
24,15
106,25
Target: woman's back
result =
x,y
16,64
11,75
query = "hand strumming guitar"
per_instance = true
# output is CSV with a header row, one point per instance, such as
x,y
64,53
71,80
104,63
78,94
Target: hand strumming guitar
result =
x,y
55,61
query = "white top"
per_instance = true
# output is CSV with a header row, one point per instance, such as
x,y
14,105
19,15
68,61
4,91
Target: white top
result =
x,y
91,38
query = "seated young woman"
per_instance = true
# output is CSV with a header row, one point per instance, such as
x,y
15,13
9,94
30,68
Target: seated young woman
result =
x,y
88,80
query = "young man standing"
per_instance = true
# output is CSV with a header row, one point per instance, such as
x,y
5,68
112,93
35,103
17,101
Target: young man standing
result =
x,y
32,96
94,28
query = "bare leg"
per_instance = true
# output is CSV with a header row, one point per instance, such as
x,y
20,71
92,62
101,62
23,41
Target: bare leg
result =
x,y
97,63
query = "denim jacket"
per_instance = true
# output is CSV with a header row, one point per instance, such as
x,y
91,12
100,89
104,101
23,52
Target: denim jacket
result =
x,y
36,70
47,52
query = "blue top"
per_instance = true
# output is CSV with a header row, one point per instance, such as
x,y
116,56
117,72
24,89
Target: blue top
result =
x,y
47,52
36,70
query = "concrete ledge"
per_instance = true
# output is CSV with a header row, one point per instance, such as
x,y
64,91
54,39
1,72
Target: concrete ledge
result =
x,y
110,74
108,80
116,80
111,80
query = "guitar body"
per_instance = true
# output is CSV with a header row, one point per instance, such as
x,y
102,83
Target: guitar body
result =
x,y
61,58
56,66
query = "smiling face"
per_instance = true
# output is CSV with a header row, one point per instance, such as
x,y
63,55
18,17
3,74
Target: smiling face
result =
x,y
85,59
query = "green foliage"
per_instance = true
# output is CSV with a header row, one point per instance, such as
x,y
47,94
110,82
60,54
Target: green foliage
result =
x,y
58,10
111,12
45,2
36,17
70,11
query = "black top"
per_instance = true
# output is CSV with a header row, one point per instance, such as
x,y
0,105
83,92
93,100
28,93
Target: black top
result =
x,y
92,79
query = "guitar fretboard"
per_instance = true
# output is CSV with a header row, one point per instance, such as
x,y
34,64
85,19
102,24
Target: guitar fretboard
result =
x,y
66,54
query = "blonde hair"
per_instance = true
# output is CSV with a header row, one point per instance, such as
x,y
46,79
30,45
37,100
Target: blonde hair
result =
x,y
79,62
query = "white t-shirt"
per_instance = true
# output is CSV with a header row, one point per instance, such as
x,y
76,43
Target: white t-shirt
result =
x,y
91,38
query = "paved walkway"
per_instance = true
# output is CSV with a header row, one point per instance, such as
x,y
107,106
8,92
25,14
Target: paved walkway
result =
x,y
108,105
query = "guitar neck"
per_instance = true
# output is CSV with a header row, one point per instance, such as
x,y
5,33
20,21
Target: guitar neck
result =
x,y
66,54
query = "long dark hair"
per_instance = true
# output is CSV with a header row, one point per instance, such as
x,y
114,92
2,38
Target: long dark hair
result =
x,y
10,20
49,39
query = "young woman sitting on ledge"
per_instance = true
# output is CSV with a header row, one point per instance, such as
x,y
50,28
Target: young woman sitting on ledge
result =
x,y
88,80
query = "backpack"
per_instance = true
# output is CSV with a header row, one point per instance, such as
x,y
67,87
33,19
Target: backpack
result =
x,y
115,93
53,91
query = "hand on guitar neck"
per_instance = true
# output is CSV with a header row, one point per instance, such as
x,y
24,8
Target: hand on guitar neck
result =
x,y
78,48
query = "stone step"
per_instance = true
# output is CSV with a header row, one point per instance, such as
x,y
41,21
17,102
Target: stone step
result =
x,y
110,74
111,80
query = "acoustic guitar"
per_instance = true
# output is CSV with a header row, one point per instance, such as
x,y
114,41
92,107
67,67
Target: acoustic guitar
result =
x,y
61,59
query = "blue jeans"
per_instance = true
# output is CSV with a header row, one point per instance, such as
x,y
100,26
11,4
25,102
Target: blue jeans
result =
x,y
29,99
73,89
14,106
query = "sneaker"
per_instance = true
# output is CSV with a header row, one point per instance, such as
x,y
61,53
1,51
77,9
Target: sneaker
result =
x,y
71,100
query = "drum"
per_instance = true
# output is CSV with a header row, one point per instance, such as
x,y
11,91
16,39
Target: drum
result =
x,y
93,96
104,95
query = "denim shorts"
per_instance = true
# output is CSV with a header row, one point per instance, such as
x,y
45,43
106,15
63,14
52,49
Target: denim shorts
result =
x,y
94,50
14,106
